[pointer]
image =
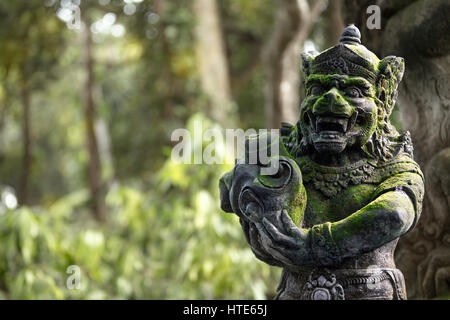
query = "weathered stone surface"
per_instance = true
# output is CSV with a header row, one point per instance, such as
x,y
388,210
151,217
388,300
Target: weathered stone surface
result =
x,y
363,188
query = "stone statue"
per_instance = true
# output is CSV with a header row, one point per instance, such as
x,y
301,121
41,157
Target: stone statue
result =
x,y
346,188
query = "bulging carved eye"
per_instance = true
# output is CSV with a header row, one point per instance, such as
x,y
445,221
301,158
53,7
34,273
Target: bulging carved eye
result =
x,y
316,90
353,92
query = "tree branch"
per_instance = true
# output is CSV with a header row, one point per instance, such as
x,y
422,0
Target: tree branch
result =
x,y
293,23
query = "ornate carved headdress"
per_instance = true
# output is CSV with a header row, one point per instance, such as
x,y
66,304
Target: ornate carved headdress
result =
x,y
350,57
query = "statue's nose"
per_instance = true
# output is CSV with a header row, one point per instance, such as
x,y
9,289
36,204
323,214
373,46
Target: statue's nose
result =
x,y
332,103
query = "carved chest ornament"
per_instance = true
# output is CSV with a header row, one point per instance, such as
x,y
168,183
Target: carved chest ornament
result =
x,y
330,181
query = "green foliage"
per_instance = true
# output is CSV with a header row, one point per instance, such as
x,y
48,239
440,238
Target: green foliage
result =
x,y
171,243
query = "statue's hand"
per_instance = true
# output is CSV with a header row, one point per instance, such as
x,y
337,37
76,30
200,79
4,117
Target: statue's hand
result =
x,y
284,241
252,235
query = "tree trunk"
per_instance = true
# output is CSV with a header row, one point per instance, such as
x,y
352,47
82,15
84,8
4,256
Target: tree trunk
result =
x,y
27,152
289,109
168,76
419,31
334,23
94,165
212,61
281,56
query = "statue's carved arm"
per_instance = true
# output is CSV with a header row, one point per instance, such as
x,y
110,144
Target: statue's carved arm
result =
x,y
391,214
381,221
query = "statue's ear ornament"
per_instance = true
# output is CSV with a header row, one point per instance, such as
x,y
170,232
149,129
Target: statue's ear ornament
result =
x,y
307,59
392,67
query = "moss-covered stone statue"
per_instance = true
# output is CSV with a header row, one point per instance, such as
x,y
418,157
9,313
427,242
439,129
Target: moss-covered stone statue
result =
x,y
347,186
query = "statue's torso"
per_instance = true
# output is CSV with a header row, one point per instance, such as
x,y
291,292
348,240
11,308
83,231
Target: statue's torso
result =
x,y
321,209
354,274
334,194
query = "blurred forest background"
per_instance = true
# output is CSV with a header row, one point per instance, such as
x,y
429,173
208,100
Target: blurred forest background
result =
x,y
90,93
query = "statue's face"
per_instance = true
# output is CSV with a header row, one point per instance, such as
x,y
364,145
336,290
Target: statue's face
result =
x,y
339,112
